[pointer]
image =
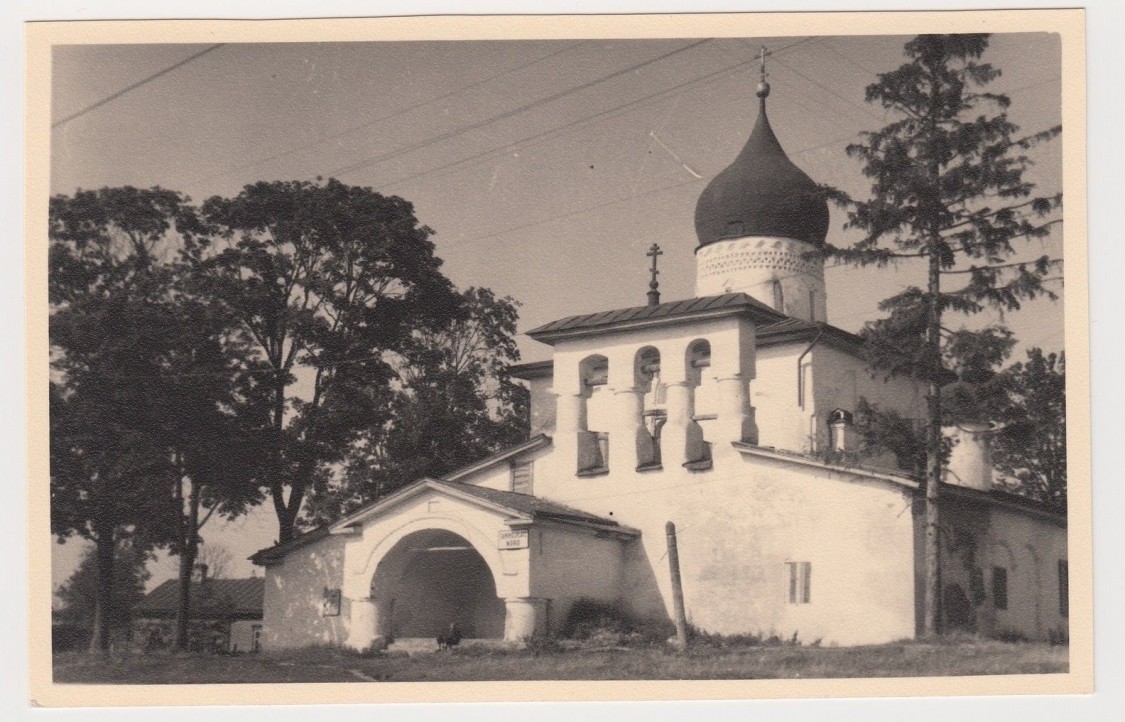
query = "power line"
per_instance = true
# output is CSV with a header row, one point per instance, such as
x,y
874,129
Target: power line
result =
x,y
605,114
508,114
134,86
823,43
396,114
576,212
830,91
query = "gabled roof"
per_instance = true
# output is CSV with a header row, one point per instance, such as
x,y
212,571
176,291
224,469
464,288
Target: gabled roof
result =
x,y
591,324
213,598
278,551
521,506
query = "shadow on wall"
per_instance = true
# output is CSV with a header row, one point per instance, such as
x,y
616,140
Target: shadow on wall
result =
x,y
641,592
300,600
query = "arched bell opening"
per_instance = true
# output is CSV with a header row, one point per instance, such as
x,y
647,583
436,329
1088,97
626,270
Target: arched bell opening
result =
x,y
432,579
593,438
654,414
697,360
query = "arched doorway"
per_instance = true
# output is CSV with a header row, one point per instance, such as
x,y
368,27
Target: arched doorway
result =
x,y
433,578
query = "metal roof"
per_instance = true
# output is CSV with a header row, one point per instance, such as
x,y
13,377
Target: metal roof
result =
x,y
671,312
212,598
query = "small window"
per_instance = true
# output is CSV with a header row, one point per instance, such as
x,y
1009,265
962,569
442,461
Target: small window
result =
x,y
778,296
1064,588
999,588
800,575
330,604
522,477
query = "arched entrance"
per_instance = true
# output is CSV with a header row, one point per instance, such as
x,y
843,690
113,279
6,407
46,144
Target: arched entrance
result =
x,y
433,578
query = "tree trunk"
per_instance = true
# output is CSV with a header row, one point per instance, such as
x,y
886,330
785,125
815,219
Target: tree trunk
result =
x,y
932,572
286,525
285,519
189,547
103,598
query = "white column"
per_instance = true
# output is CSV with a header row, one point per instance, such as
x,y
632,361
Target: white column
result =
x,y
735,416
673,437
628,435
525,617
367,626
570,418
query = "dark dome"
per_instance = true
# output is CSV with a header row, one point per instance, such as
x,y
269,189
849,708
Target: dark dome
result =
x,y
761,194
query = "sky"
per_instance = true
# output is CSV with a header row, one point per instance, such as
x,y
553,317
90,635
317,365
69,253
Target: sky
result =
x,y
546,169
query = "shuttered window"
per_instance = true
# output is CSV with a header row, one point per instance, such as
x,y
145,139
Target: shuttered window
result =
x,y
800,582
522,477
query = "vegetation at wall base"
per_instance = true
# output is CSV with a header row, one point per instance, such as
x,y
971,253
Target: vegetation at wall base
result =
x,y
959,656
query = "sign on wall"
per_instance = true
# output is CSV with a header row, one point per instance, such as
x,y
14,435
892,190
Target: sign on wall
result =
x,y
513,539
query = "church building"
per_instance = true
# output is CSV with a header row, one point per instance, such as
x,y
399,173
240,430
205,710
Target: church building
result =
x,y
728,414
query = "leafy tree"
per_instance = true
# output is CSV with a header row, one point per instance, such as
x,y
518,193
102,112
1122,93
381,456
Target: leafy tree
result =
x,y
948,190
144,429
1031,445
324,280
211,426
454,404
106,464
79,593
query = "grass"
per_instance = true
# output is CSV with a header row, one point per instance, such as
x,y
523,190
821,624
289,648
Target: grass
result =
x,y
905,659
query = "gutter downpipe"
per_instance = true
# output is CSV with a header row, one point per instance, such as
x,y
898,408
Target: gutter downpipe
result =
x,y
800,367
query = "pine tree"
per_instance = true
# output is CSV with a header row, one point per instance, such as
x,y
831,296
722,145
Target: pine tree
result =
x,y
948,190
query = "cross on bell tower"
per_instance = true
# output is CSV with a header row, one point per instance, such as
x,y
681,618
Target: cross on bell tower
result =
x,y
654,285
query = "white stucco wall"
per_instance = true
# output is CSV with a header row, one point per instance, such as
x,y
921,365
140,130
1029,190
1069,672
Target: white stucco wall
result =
x,y
569,564
294,595
740,522
782,423
1030,547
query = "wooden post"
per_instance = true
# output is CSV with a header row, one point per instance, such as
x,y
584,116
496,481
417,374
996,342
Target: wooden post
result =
x,y
677,586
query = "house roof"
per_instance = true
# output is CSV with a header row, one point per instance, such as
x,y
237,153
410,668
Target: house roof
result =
x,y
727,304
212,598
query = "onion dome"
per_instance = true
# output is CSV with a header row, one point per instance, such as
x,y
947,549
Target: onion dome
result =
x,y
762,193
